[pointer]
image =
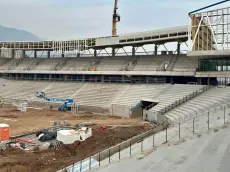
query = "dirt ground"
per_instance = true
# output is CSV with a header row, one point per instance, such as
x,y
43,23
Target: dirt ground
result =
x,y
50,160
33,119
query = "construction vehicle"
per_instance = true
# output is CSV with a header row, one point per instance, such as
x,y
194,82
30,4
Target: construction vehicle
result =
x,y
116,18
68,102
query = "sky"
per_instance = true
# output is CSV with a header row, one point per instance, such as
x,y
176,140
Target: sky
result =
x,y
72,19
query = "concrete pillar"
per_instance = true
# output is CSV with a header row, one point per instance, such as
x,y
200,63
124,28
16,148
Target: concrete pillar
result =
x,y
12,53
103,78
155,50
65,77
50,77
35,76
208,81
83,78
0,52
123,79
199,80
178,48
133,51
171,80
48,54
113,51
62,55
147,79
35,54
95,53
23,54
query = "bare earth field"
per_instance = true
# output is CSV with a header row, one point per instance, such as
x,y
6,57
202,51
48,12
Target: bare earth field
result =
x,y
54,159
33,119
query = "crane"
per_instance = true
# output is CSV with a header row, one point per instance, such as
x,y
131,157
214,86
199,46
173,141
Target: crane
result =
x,y
116,18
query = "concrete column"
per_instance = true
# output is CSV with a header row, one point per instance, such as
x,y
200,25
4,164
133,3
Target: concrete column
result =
x,y
35,54
199,80
133,51
147,79
12,53
48,54
113,51
83,78
0,52
171,80
95,53
155,50
65,77
50,77
208,81
103,78
178,48
62,55
123,79
35,76
23,54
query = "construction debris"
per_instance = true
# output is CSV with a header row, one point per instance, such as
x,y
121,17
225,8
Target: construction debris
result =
x,y
70,136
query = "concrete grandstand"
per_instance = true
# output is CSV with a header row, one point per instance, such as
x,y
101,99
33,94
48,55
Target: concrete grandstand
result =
x,y
166,88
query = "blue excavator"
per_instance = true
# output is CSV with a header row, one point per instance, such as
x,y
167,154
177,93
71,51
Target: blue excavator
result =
x,y
68,102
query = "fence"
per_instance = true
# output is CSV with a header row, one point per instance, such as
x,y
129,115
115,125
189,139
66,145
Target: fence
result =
x,y
215,118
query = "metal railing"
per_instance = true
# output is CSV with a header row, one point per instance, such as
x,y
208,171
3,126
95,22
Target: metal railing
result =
x,y
147,142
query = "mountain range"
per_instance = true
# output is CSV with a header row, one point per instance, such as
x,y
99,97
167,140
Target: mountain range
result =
x,y
12,34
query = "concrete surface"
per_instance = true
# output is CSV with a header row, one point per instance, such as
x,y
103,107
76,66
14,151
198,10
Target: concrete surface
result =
x,y
206,150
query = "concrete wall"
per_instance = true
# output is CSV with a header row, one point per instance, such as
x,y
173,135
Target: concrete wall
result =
x,y
120,110
138,112
153,117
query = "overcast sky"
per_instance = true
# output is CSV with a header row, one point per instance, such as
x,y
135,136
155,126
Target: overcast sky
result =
x,y
70,19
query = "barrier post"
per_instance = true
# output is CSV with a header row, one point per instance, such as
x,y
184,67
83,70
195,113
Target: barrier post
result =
x,y
153,140
179,130
193,126
81,166
224,114
142,144
109,155
166,134
90,162
99,159
119,152
130,148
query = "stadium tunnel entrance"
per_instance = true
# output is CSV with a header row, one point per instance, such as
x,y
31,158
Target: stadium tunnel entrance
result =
x,y
144,104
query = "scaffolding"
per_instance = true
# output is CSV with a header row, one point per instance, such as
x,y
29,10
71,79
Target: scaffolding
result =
x,y
209,30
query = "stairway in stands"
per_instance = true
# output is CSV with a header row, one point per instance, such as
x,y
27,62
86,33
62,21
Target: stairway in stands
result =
x,y
172,63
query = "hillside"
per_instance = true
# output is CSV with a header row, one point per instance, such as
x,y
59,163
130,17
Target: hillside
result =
x,y
12,34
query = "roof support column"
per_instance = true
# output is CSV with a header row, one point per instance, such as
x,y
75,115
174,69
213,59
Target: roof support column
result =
x,y
113,51
12,53
95,53
133,51
0,52
62,55
155,50
35,54
171,80
23,54
178,48
48,54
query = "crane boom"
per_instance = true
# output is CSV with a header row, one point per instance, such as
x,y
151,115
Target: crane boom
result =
x,y
116,18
